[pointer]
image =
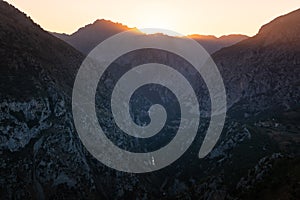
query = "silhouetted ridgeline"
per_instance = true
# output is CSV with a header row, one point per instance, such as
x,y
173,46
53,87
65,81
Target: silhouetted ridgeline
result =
x,y
88,37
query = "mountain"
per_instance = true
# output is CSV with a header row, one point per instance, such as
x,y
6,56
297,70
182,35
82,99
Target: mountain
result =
x,y
268,66
27,49
213,44
261,75
39,149
257,156
88,37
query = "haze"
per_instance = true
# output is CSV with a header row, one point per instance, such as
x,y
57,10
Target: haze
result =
x,y
207,17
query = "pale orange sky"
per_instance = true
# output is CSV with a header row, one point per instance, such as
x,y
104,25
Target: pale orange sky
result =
x,y
206,17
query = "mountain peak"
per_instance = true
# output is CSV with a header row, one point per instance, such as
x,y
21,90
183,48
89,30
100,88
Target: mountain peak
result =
x,y
202,37
104,22
283,28
102,25
87,37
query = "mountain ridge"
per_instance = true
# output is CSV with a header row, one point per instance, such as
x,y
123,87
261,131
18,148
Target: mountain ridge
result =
x,y
85,38
35,45
89,36
280,27
262,60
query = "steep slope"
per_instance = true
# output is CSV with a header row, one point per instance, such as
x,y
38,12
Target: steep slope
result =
x,y
26,48
261,75
259,146
40,152
263,72
86,38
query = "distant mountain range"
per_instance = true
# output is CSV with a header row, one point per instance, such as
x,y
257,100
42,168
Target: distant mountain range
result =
x,y
88,37
257,156
213,44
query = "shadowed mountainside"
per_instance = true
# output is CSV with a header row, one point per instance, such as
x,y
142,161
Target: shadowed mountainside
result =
x,y
213,44
86,38
27,49
264,70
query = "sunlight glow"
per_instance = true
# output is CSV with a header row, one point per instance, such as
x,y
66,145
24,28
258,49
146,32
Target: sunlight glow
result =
x,y
207,17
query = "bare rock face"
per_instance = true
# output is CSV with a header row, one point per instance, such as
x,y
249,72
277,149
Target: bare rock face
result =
x,y
264,71
40,151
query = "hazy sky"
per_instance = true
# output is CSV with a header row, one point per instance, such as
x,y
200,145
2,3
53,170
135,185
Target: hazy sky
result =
x,y
207,17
